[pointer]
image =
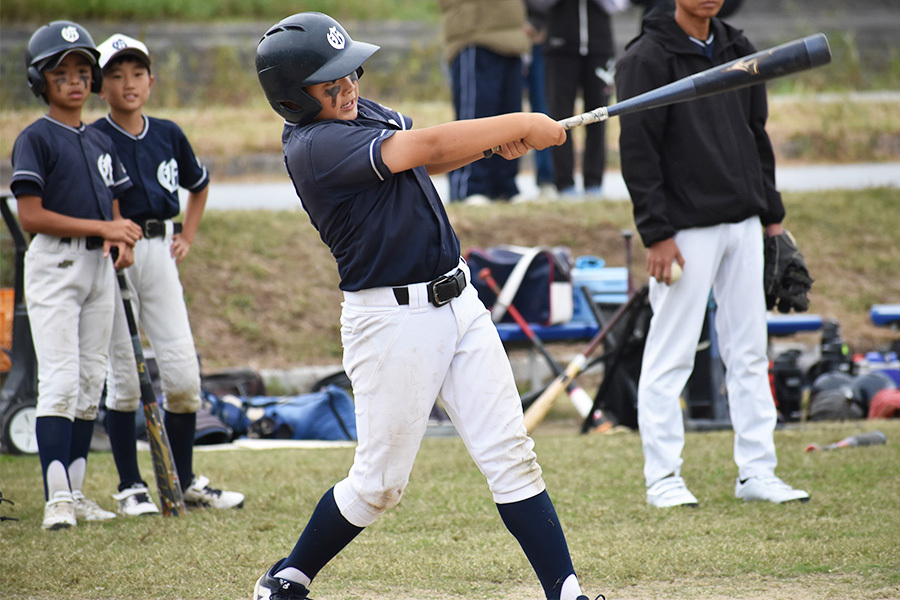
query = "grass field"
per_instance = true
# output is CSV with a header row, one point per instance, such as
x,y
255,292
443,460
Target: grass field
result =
x,y
445,539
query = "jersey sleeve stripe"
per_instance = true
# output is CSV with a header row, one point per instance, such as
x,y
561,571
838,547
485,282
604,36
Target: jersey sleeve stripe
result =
x,y
28,175
372,156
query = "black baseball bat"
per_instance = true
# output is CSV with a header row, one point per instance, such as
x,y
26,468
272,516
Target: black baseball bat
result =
x,y
792,57
167,483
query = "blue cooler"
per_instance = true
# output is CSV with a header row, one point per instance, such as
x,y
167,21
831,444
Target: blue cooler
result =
x,y
608,286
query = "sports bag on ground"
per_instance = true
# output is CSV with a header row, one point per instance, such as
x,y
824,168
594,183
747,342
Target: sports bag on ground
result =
x,y
537,281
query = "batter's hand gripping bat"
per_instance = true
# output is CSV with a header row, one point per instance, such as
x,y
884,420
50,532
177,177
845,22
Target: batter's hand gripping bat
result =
x,y
577,395
786,59
871,438
539,409
169,487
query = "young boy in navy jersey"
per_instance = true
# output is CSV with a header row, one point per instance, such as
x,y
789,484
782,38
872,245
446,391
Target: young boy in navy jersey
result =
x,y
159,159
411,327
66,179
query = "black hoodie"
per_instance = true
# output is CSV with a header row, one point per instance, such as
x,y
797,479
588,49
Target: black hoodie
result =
x,y
697,163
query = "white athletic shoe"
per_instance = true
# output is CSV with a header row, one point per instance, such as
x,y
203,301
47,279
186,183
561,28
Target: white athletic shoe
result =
x,y
135,501
769,489
670,491
88,510
59,512
200,494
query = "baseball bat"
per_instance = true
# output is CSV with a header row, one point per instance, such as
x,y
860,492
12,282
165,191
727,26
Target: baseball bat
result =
x,y
167,484
577,395
539,409
871,438
786,59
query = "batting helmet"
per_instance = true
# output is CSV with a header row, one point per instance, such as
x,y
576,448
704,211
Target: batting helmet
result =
x,y
50,44
831,398
305,49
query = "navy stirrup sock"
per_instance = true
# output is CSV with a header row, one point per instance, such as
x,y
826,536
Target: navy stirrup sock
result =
x,y
54,439
123,439
326,534
534,524
181,429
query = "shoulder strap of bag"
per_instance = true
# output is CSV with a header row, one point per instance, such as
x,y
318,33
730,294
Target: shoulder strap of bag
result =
x,y
509,289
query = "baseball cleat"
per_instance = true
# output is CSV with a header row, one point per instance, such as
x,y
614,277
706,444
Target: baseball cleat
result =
x,y
200,494
269,587
768,489
135,501
670,491
88,510
59,512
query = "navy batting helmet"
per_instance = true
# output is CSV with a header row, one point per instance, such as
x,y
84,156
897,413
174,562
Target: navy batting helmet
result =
x,y
305,49
53,42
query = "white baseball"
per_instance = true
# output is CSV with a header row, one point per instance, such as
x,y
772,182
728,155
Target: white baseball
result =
x,y
676,271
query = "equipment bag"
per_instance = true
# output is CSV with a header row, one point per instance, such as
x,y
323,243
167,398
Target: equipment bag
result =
x,y
324,415
537,281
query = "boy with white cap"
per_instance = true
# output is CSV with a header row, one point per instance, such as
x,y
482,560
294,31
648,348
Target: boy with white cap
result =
x,y
159,159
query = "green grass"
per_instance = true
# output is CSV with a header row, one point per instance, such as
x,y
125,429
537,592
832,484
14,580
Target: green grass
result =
x,y
445,539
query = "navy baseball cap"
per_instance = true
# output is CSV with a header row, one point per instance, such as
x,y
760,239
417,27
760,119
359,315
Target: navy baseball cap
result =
x,y
120,44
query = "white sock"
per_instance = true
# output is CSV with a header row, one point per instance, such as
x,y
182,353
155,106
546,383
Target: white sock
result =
x,y
295,575
570,588
57,479
76,473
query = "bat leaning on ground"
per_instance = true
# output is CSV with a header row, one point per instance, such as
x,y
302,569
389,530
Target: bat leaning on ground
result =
x,y
539,409
786,59
871,438
170,495
580,399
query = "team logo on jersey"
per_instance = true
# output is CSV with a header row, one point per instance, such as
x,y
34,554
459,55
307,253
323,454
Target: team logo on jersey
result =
x,y
105,166
336,38
167,174
70,33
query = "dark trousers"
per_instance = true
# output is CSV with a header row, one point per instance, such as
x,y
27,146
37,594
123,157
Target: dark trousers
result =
x,y
565,76
485,84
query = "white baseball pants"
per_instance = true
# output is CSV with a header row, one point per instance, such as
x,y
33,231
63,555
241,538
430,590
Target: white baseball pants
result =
x,y
157,300
400,359
69,295
729,259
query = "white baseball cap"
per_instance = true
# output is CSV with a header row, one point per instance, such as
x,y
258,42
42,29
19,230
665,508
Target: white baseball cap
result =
x,y
119,44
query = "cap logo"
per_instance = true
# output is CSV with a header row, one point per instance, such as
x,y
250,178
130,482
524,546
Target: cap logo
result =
x,y
119,44
70,33
335,38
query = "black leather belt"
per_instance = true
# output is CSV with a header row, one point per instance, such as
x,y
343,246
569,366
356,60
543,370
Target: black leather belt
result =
x,y
440,291
155,228
92,242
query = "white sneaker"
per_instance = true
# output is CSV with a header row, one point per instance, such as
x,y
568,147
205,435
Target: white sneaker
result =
x,y
769,489
477,200
59,512
200,494
670,491
87,509
135,501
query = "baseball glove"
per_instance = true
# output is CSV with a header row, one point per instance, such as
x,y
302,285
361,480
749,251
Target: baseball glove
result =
x,y
785,276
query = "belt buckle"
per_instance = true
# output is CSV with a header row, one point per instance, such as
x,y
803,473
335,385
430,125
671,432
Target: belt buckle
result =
x,y
435,297
150,225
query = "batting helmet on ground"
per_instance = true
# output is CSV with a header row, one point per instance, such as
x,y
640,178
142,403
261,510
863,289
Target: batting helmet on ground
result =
x,y
53,42
302,50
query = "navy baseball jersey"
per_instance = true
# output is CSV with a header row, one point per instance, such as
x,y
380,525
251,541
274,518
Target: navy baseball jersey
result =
x,y
159,160
75,171
380,235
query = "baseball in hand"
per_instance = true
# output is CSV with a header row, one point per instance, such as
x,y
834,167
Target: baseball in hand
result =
x,y
676,271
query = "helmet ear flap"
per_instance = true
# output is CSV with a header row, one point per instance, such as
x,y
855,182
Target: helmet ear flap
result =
x,y
35,81
96,79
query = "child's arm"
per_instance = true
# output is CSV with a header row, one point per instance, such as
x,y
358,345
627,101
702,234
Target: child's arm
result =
x,y
451,145
181,242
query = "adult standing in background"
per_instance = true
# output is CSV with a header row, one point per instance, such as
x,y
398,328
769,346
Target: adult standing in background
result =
x,y
578,54
483,44
536,29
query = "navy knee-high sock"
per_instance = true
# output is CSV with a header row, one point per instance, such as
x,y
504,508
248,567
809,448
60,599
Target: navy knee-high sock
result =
x,y
181,428
534,524
325,535
123,439
54,440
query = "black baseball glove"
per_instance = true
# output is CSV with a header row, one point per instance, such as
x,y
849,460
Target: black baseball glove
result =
x,y
785,276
